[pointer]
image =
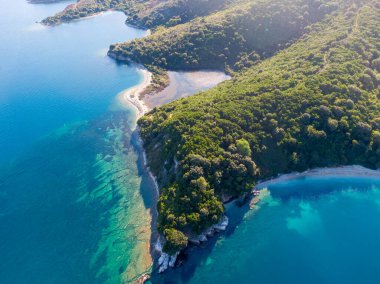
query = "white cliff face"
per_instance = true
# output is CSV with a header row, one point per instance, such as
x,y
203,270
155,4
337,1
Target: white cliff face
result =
x,y
210,232
222,225
158,245
173,259
165,261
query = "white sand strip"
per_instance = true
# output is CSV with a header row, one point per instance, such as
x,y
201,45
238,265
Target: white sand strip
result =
x,y
131,96
344,171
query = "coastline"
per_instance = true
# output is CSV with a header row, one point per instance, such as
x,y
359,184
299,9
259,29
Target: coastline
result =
x,y
164,261
177,88
342,171
88,17
183,84
131,96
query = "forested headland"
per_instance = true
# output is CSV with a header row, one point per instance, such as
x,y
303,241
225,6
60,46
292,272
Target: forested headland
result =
x,y
312,104
304,94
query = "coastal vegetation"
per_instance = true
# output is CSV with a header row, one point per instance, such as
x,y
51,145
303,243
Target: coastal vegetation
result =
x,y
141,13
160,80
313,104
304,94
173,12
233,38
85,8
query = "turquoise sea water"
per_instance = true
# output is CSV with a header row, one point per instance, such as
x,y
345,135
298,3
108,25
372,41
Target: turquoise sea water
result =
x,y
310,230
55,76
74,200
75,204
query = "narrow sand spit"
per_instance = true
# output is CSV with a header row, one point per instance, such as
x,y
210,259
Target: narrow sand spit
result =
x,y
344,171
131,96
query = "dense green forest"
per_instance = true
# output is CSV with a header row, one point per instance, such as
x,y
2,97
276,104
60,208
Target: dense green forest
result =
x,y
305,93
173,12
232,38
141,13
85,8
313,104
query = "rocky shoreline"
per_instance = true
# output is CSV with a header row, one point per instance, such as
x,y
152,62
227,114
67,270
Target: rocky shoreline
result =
x,y
135,96
165,260
132,97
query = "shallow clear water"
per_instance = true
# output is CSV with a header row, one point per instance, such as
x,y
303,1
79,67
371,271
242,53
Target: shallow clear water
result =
x,y
75,204
184,84
74,201
310,230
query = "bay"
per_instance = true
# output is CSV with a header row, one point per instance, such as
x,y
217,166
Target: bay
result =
x,y
313,229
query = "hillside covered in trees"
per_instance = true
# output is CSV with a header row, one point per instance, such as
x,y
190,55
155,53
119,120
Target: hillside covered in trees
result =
x,y
313,104
305,93
141,13
234,37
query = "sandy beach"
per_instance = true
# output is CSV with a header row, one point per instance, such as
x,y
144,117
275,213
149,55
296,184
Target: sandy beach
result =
x,y
348,171
131,96
182,84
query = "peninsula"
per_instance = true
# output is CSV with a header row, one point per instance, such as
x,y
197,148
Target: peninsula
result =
x,y
304,94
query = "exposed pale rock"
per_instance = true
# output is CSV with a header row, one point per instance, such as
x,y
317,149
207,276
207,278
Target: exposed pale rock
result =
x,y
222,225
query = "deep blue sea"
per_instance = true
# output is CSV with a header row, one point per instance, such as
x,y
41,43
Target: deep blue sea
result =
x,y
71,184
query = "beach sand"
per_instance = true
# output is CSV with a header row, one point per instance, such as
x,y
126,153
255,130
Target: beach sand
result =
x,y
349,171
182,84
131,96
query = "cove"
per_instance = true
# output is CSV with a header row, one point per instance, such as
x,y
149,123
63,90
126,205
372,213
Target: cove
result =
x,y
313,229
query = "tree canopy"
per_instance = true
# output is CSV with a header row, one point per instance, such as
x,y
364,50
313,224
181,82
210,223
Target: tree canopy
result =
x,y
313,104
